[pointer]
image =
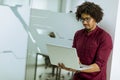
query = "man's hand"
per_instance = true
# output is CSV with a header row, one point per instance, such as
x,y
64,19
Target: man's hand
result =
x,y
62,66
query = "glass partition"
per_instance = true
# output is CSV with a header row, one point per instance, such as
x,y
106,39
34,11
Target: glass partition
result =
x,y
48,25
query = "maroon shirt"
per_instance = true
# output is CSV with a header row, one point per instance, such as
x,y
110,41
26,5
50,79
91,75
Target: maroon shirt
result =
x,y
93,47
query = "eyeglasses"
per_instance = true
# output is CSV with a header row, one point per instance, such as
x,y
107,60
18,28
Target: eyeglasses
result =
x,y
85,19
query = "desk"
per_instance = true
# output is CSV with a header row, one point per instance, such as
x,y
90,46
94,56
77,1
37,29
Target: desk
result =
x,y
56,71
57,74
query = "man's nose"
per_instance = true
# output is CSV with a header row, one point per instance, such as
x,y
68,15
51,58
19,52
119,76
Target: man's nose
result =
x,y
84,22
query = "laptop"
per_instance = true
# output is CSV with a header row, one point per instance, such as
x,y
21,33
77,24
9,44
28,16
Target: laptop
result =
x,y
65,55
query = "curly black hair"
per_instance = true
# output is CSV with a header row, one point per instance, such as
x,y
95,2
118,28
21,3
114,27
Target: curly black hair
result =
x,y
90,8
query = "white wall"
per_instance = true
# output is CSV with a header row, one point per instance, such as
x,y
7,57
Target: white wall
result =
x,y
13,41
51,5
115,69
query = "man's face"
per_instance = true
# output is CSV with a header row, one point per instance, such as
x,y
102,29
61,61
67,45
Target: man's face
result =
x,y
88,22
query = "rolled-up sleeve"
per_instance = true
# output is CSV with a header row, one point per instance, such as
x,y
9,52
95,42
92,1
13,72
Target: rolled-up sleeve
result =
x,y
104,51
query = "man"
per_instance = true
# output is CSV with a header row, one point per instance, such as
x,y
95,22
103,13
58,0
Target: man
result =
x,y
92,43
